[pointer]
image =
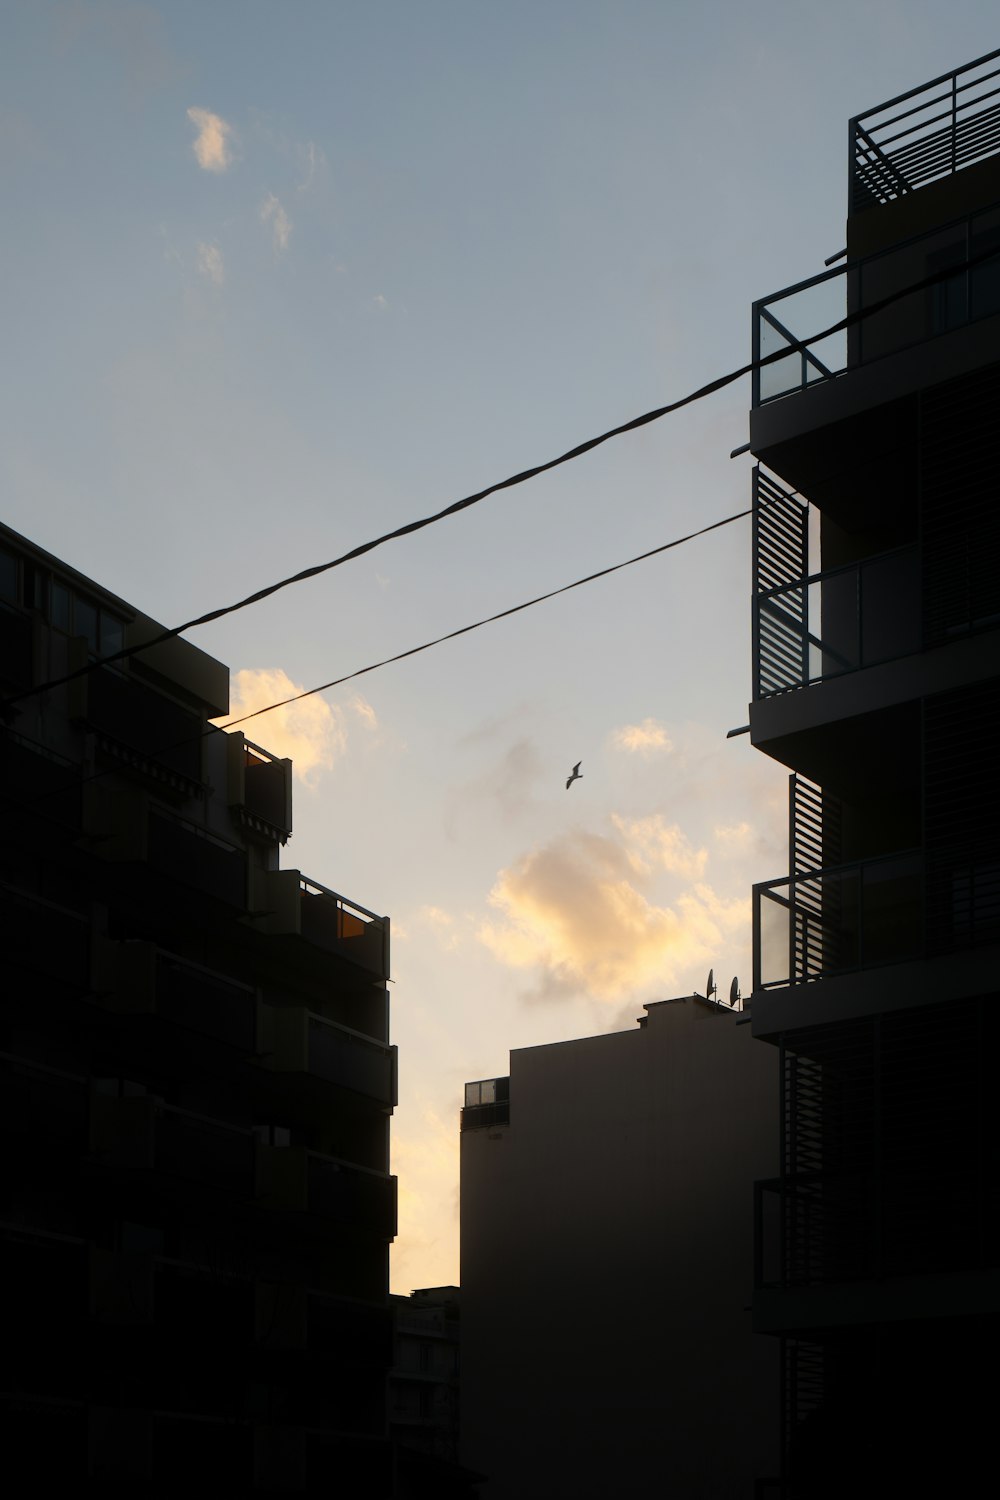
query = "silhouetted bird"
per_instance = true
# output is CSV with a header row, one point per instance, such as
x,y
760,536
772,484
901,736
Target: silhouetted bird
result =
x,y
576,776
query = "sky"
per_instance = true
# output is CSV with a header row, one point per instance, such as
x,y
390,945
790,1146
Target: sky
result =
x,y
278,278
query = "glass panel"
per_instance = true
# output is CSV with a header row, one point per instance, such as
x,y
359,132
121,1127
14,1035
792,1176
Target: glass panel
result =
x,y
471,1095
488,1091
85,621
112,634
59,606
921,314
8,576
783,376
837,625
773,955
892,910
985,279
890,613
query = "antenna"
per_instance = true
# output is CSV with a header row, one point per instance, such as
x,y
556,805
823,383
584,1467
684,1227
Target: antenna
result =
x,y
711,988
734,991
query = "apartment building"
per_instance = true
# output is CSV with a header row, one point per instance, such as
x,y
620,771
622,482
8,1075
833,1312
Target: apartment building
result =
x,y
607,1263
197,1080
876,651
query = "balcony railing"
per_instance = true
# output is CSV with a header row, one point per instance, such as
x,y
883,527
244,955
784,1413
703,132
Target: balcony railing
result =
x,y
926,133
487,1102
835,622
825,922
817,1228
790,320
296,1040
330,921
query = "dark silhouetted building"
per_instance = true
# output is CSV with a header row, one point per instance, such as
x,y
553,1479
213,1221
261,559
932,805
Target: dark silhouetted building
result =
x,y
424,1389
195,1203
607,1263
877,682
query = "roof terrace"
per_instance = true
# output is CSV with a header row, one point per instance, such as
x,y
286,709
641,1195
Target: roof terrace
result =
x,y
925,134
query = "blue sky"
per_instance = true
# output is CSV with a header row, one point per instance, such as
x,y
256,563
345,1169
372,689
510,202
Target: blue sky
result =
x,y
279,277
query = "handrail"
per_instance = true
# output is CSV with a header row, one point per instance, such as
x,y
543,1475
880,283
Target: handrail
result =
x,y
845,869
936,144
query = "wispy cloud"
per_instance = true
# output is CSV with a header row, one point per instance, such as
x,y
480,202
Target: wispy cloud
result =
x,y
442,923
648,738
310,732
211,144
211,263
313,161
382,303
272,212
364,711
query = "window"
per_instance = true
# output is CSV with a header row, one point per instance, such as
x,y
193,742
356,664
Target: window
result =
x,y
273,1135
8,577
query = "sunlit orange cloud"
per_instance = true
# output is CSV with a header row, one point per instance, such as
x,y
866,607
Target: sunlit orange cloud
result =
x,y
648,738
573,912
313,733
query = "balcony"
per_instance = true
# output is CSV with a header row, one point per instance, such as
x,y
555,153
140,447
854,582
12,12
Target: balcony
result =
x,y
140,979
925,134
286,902
260,788
838,621
487,1102
821,923
790,320
820,1228
295,1040
139,1133
292,1179
138,727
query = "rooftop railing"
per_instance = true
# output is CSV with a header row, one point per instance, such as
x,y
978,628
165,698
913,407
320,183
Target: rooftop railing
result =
x,y
927,133
790,320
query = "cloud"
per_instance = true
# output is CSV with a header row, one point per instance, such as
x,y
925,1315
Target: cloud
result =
x,y
311,732
647,738
313,161
381,302
734,836
653,842
281,225
573,912
210,146
364,711
211,263
442,924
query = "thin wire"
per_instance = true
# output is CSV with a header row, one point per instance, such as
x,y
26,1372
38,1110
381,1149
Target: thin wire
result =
x,y
489,620
416,650
710,388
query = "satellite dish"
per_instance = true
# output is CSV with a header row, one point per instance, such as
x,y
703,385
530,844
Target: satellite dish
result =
x,y
734,991
711,988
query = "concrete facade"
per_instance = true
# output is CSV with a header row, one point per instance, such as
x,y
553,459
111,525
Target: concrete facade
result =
x,y
607,1265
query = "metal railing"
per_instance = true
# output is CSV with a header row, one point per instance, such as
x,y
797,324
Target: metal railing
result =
x,y
790,319
949,123
823,922
331,921
838,621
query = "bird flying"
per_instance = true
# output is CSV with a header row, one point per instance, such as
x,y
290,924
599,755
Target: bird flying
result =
x,y
576,776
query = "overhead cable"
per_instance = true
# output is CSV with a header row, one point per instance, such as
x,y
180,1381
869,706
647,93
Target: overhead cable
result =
x,y
522,477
